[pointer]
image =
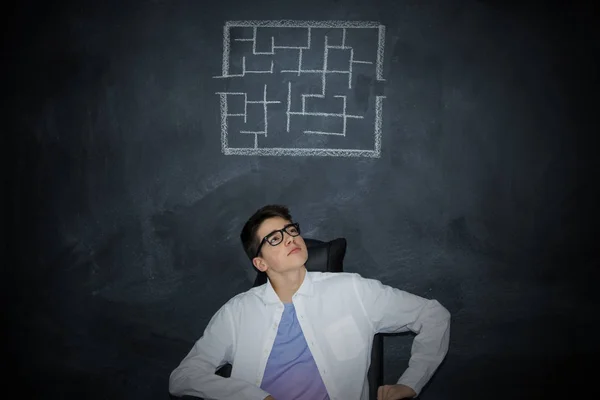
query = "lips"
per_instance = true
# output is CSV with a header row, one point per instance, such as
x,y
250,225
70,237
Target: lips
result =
x,y
294,251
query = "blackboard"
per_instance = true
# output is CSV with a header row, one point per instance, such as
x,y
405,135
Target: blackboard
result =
x,y
451,143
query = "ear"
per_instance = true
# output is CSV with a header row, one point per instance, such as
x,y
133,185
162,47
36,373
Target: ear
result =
x,y
260,264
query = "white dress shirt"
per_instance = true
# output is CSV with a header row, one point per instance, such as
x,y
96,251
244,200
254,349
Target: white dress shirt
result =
x,y
339,314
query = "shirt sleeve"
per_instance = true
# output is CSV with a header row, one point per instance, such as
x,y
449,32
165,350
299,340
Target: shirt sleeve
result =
x,y
392,310
195,375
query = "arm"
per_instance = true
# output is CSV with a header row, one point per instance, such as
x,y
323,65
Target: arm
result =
x,y
392,310
196,376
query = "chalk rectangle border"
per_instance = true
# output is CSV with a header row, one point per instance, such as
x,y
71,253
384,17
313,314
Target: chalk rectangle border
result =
x,y
375,153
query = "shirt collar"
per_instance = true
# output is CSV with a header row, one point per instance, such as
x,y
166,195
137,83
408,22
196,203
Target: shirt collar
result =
x,y
269,296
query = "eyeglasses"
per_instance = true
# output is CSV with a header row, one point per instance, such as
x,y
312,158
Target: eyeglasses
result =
x,y
276,237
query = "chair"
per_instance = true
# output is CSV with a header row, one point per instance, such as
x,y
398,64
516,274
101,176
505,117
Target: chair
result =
x,y
329,257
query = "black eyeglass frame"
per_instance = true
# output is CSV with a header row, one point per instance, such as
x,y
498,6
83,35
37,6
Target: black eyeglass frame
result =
x,y
283,231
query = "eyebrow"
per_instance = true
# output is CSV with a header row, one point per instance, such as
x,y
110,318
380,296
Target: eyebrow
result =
x,y
275,230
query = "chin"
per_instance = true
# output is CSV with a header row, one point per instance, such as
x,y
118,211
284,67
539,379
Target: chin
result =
x,y
299,262
301,255
296,260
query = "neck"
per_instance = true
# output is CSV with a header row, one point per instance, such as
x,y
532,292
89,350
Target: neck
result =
x,y
288,283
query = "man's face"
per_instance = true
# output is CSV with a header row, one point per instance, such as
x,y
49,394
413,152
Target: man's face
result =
x,y
288,255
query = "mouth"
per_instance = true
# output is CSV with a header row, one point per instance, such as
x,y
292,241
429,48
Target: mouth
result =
x,y
294,251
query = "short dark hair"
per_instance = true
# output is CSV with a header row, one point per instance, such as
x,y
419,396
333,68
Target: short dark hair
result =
x,y
249,238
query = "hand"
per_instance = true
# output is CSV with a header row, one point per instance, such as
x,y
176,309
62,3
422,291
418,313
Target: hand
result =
x,y
395,392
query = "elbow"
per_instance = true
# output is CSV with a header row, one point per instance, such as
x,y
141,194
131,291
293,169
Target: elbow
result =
x,y
172,385
442,313
442,322
174,382
446,314
186,380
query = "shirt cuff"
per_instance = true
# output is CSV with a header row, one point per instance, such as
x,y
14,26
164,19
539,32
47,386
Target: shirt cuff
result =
x,y
413,380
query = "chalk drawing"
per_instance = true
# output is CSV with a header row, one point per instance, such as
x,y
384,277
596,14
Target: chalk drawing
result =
x,y
326,35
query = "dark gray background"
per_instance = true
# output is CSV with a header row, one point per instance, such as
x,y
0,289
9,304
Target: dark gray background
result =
x,y
123,216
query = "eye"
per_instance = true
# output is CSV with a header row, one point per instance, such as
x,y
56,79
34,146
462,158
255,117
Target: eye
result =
x,y
273,239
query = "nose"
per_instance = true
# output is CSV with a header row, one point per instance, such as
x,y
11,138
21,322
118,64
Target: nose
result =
x,y
288,239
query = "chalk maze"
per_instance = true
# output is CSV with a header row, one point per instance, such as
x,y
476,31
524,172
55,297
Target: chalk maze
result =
x,y
287,115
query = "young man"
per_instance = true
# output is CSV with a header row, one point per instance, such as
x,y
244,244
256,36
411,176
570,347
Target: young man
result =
x,y
307,335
